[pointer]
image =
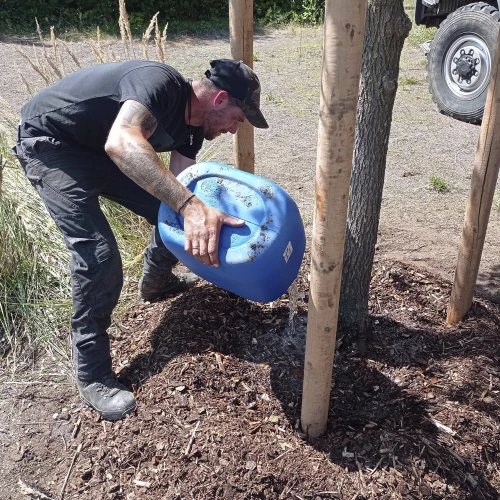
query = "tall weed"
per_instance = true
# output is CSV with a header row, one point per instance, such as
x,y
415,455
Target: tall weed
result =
x,y
35,292
34,282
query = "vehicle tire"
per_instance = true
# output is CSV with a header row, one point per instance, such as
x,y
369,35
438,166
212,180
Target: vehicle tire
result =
x,y
460,61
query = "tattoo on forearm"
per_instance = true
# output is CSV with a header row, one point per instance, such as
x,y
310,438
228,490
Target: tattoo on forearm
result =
x,y
146,170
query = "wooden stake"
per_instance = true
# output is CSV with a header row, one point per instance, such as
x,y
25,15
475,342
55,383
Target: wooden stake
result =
x,y
482,190
343,39
241,39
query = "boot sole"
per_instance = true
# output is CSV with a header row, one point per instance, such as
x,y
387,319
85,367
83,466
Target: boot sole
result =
x,y
110,415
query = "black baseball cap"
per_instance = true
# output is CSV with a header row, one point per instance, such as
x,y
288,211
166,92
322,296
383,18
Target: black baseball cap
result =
x,y
241,83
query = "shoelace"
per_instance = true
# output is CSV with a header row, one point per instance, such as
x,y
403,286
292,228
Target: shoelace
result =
x,y
108,387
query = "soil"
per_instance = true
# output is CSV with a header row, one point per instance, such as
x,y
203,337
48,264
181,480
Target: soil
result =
x,y
218,379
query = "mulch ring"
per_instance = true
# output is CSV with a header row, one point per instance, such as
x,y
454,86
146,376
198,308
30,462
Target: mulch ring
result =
x,y
219,379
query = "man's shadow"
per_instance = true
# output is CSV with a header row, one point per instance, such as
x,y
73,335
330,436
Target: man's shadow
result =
x,y
206,318
488,284
376,420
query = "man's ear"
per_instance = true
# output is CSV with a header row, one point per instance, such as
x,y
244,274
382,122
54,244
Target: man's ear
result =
x,y
219,98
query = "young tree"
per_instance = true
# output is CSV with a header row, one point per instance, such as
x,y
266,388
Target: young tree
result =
x,y
342,56
387,27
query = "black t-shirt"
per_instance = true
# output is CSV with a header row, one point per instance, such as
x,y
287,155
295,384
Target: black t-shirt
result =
x,y
82,107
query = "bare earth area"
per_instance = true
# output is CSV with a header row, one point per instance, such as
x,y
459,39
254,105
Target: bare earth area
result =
x,y
218,379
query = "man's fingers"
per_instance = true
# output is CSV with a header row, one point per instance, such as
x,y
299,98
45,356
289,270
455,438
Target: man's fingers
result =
x,y
195,252
202,228
213,249
233,221
204,257
192,247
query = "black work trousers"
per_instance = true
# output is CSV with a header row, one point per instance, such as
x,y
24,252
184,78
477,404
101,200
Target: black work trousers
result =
x,y
70,179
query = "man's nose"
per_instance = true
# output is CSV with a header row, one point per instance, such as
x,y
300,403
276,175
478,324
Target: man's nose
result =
x,y
234,128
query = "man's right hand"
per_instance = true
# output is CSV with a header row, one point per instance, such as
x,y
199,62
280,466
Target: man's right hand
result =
x,y
202,225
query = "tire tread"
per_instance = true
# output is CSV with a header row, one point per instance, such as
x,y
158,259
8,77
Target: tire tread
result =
x,y
473,7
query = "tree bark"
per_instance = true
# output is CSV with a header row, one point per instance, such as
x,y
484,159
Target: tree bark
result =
x,y
387,27
342,55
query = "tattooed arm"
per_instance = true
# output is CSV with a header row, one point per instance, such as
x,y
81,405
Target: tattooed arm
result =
x,y
128,147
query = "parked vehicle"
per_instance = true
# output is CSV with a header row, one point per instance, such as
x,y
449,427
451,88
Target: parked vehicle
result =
x,y
460,57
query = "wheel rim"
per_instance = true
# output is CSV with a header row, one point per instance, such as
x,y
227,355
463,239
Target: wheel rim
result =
x,y
467,67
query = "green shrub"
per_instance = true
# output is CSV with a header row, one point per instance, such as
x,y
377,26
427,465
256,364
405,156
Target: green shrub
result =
x,y
409,80
84,14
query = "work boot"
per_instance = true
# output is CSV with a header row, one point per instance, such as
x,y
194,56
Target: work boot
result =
x,y
107,396
151,290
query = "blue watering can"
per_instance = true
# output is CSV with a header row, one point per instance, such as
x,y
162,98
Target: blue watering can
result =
x,y
258,261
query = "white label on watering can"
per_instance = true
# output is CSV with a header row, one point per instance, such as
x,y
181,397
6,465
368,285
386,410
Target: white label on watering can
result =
x,y
288,251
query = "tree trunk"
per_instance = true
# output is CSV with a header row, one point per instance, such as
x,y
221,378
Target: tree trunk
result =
x,y
342,55
387,27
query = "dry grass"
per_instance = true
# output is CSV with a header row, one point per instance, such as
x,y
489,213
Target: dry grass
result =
x,y
147,36
99,54
2,166
35,64
71,54
161,42
125,31
55,64
35,286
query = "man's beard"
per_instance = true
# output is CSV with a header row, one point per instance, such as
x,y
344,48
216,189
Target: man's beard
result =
x,y
210,135
211,125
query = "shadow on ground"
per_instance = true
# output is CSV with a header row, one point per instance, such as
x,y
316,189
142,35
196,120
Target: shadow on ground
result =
x,y
418,412
488,283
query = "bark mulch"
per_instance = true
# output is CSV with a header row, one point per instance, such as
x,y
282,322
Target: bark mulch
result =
x,y
218,381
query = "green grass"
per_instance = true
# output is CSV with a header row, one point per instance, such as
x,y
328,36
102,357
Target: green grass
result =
x,y
438,184
71,29
274,99
418,34
406,81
